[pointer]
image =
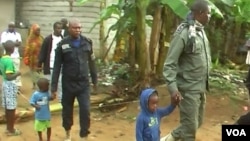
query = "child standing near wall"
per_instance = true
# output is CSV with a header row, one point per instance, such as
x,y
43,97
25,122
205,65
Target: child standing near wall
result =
x,y
9,88
40,101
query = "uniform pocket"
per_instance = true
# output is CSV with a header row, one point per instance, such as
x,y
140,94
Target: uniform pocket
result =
x,y
68,55
198,47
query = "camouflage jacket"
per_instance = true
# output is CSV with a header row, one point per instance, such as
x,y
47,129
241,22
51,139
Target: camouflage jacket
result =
x,y
186,68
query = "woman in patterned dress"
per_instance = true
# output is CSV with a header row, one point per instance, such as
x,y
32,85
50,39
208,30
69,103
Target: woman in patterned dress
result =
x,y
32,49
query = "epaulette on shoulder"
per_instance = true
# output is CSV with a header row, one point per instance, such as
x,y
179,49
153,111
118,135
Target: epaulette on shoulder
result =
x,y
89,40
63,41
181,27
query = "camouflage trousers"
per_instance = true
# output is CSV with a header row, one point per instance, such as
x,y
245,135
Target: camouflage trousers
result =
x,y
192,109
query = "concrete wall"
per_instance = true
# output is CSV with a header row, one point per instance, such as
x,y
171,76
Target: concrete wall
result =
x,y
7,10
46,12
108,24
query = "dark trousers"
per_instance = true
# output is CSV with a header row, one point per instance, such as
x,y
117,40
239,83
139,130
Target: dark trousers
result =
x,y
83,99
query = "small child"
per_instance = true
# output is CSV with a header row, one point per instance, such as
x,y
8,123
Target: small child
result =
x,y
9,88
40,101
148,120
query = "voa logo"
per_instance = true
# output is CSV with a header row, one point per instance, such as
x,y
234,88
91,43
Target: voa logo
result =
x,y
236,132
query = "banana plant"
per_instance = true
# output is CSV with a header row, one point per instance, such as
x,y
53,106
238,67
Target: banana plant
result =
x,y
124,10
124,14
237,14
180,7
126,21
239,9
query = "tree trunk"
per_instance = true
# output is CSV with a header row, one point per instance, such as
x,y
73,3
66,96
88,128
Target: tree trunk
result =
x,y
164,40
236,43
131,57
119,51
143,57
228,39
155,35
131,50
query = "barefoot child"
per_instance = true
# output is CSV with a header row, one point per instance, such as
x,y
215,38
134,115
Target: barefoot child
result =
x,y
9,88
40,101
148,120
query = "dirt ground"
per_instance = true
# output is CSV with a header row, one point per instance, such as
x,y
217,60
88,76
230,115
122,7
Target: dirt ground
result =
x,y
114,126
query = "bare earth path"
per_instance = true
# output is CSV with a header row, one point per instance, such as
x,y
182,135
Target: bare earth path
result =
x,y
113,126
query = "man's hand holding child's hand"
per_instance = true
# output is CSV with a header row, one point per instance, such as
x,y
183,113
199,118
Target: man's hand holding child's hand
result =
x,y
53,95
176,98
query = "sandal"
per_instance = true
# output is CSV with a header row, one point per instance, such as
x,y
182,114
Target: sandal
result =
x,y
15,133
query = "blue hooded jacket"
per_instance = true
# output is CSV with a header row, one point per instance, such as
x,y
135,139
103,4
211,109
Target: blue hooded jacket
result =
x,y
148,123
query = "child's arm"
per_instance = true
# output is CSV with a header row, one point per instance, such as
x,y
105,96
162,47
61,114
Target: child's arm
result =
x,y
166,110
139,129
50,97
33,101
169,109
35,106
12,76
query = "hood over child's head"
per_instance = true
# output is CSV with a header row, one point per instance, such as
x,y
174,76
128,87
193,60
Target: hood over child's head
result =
x,y
149,100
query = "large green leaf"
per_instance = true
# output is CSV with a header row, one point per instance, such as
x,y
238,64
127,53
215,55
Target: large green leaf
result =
x,y
228,2
107,13
215,9
178,6
239,9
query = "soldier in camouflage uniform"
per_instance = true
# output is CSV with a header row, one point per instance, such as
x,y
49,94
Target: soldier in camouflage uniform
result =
x,y
186,70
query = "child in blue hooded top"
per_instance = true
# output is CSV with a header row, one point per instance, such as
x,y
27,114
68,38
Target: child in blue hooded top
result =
x,y
148,120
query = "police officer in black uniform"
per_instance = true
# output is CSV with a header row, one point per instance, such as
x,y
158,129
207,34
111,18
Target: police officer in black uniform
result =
x,y
74,55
